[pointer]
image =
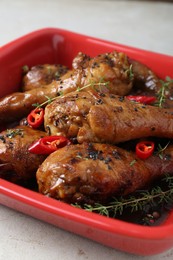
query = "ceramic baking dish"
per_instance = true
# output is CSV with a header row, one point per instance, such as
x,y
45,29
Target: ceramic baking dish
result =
x,y
52,45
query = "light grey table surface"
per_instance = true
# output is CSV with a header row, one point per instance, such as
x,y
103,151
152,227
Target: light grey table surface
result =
x,y
142,24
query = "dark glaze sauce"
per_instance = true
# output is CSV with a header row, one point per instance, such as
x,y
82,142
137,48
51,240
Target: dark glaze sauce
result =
x,y
152,214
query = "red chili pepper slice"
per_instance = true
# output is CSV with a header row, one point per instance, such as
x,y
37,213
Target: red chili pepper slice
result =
x,y
36,117
48,144
142,99
144,149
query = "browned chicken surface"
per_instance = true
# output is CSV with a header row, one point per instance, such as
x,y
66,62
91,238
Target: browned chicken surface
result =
x,y
87,173
110,67
105,118
88,105
113,68
145,79
147,83
19,104
15,160
41,75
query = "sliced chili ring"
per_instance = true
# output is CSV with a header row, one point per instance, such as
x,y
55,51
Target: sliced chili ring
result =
x,y
48,144
36,117
144,149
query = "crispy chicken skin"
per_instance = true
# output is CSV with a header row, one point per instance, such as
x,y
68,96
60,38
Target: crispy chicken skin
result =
x,y
42,75
15,106
85,173
145,80
88,105
113,68
147,83
15,159
94,117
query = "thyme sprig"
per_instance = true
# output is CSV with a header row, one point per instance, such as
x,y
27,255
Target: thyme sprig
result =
x,y
130,73
48,101
11,133
132,202
161,149
161,96
93,85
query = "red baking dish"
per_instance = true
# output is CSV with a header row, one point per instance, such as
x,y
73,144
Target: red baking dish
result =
x,y
53,45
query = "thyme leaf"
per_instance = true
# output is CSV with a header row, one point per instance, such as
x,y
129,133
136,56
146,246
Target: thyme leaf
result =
x,y
161,96
99,84
129,72
25,69
161,149
13,132
132,162
134,203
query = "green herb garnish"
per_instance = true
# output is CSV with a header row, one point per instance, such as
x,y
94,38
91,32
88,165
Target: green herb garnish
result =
x,y
13,132
61,94
161,96
134,203
161,149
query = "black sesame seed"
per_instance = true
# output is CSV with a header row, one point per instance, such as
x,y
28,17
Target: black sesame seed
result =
x,y
107,160
99,101
116,155
2,138
121,99
102,94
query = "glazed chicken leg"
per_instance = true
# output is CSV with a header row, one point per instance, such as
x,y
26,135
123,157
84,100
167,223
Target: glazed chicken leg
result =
x,y
18,105
42,75
96,172
16,163
113,68
105,118
38,83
